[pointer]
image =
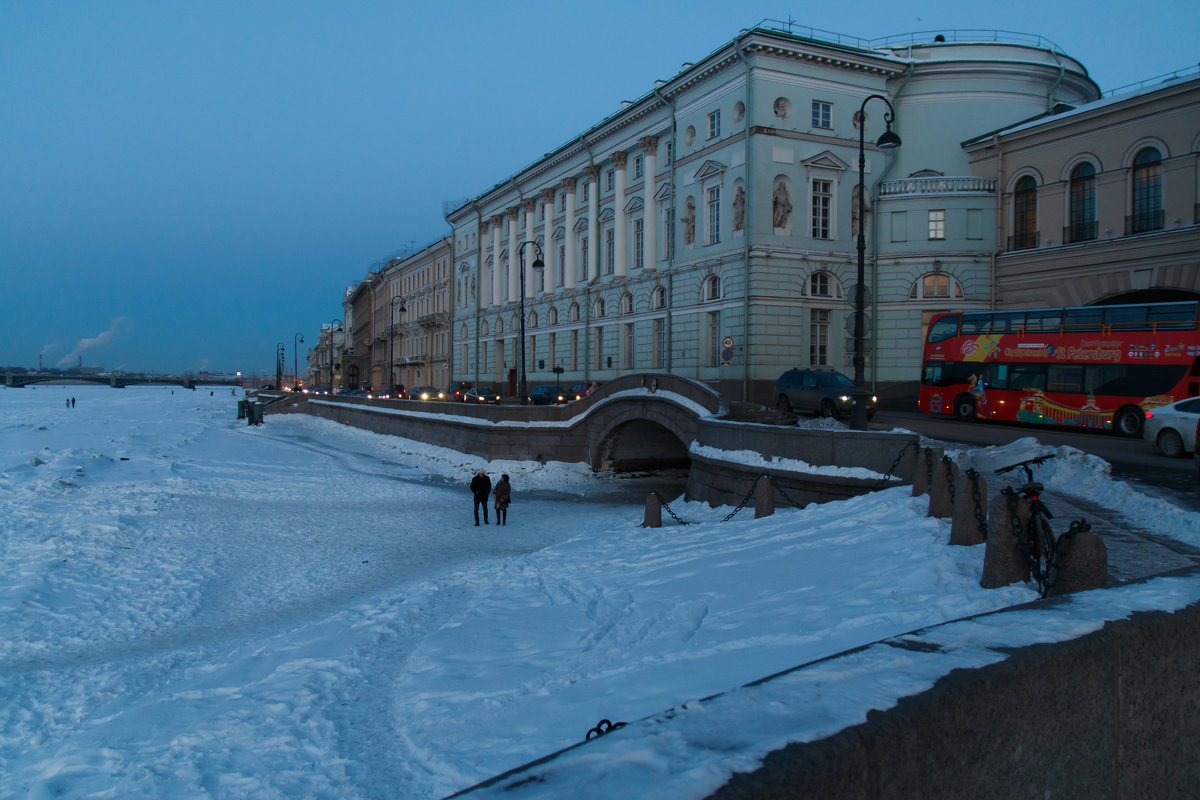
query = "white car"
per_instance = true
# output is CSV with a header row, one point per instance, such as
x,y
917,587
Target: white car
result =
x,y
1172,427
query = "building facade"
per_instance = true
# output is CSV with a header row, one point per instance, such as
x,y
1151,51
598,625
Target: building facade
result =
x,y
709,228
417,304
1100,203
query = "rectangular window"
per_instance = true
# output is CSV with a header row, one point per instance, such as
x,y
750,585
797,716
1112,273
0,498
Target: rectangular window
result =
x,y
659,343
609,180
822,200
574,350
583,258
562,265
610,251
937,224
818,338
599,341
669,233
714,124
483,357
714,338
899,226
822,114
639,242
637,166
629,346
552,347
714,215
670,153
587,190
562,202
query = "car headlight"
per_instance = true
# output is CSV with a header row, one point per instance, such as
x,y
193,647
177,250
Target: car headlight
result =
x,y
845,398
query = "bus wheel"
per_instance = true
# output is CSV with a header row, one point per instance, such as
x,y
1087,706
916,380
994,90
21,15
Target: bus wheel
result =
x,y
964,407
1128,421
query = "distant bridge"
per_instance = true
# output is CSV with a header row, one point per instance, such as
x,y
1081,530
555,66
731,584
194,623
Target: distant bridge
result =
x,y
18,381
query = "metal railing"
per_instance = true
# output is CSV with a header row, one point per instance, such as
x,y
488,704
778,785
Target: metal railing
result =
x,y
937,185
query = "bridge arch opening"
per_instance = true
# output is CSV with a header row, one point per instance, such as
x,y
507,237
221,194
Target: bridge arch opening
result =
x,y
641,445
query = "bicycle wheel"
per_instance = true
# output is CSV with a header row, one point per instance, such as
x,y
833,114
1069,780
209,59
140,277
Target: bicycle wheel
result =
x,y
1045,549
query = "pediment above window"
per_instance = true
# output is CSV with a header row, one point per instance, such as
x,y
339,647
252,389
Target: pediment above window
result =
x,y
607,215
709,169
634,206
559,232
664,193
581,225
826,160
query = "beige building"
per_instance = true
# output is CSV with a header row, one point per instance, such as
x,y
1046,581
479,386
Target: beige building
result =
x,y
1099,203
416,307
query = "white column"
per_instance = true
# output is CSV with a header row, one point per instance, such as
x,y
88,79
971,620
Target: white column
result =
x,y
548,241
568,185
514,276
650,209
620,225
593,258
497,292
529,252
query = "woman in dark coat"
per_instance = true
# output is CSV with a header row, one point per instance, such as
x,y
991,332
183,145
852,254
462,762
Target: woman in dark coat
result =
x,y
503,495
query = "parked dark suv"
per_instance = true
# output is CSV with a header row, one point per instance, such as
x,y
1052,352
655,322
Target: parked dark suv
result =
x,y
824,392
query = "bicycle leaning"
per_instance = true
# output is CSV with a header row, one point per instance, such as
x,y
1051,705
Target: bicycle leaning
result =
x,y
1037,541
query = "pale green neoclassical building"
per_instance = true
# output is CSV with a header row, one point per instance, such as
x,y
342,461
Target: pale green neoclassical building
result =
x,y
709,228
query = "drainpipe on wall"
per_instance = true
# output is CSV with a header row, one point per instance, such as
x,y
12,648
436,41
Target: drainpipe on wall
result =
x,y
999,214
478,285
746,229
667,333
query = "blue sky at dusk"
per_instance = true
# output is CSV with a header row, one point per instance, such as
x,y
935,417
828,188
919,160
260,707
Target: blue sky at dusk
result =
x,y
186,184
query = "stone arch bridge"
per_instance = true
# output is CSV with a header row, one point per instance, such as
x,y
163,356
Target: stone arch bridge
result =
x,y
641,422
20,380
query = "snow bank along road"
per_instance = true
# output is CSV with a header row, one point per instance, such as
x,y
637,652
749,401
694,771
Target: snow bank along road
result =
x,y
190,607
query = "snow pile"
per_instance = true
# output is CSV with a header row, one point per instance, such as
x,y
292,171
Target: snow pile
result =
x,y
192,607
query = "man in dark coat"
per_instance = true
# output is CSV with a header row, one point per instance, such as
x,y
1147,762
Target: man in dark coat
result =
x,y
481,488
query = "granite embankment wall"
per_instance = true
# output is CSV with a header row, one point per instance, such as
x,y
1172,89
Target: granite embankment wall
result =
x,y
635,421
1112,714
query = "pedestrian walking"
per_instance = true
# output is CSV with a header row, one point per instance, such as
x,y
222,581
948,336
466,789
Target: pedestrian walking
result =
x,y
72,402
503,495
481,487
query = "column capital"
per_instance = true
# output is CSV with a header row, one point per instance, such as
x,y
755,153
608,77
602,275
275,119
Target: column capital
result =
x,y
592,174
649,143
483,228
548,196
513,212
497,219
568,184
530,204
618,158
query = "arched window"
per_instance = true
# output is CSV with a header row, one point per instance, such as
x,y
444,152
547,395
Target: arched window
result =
x,y
712,288
499,326
936,286
483,328
822,284
600,308
552,316
1147,193
627,303
533,319
658,298
1083,204
1025,230
573,313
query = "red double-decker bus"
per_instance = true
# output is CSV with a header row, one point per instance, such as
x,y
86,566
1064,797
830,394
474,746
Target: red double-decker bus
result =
x,y
1091,367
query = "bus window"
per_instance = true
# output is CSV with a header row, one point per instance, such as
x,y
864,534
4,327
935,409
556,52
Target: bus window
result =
x,y
943,328
1127,318
1043,321
1142,380
1065,378
948,373
1027,376
975,324
1173,316
1008,321
1102,377
997,375
1083,320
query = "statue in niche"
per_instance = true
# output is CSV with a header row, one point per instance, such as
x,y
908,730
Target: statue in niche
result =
x,y
689,222
739,208
866,211
781,205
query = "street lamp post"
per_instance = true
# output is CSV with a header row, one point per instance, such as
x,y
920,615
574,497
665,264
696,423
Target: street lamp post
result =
x,y
334,325
392,341
299,337
887,141
537,264
279,355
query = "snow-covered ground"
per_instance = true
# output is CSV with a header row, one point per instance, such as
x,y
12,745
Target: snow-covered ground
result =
x,y
190,607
